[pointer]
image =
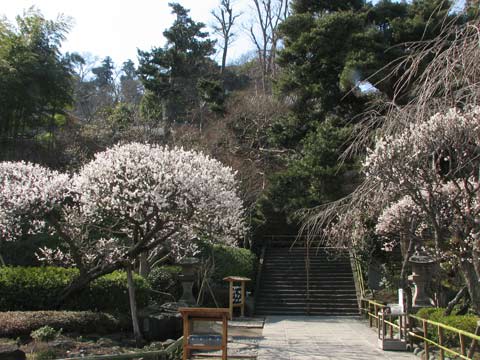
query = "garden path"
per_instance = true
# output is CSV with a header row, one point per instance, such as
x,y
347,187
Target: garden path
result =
x,y
321,338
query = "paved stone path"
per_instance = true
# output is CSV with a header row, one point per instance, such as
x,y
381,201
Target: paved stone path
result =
x,y
321,338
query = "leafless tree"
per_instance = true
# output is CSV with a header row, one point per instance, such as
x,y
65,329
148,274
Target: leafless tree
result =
x,y
225,18
264,33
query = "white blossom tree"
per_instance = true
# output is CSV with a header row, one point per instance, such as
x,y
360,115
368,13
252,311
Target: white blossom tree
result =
x,y
430,175
131,200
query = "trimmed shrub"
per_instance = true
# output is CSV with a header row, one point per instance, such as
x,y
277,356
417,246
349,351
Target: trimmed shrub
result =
x,y
165,279
21,323
38,288
462,322
229,261
110,293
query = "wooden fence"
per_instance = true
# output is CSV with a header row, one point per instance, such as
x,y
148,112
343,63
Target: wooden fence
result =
x,y
420,329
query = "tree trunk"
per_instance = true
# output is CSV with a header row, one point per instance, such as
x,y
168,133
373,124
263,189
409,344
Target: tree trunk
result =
x,y
472,283
144,269
133,307
455,300
476,253
474,344
224,56
83,280
407,251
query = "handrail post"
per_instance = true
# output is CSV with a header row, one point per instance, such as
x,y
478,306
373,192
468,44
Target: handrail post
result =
x,y
425,336
440,341
410,327
390,325
258,278
462,344
370,320
307,266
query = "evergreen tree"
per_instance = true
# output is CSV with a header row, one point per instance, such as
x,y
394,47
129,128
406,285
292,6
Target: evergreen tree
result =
x,y
35,79
171,73
130,86
330,49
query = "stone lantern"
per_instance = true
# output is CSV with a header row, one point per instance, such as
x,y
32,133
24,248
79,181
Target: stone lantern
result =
x,y
187,278
422,274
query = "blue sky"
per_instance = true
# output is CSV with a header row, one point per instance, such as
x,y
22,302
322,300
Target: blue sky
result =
x,y
118,27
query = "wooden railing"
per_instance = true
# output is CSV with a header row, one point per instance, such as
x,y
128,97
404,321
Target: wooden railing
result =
x,y
418,328
258,278
357,268
440,328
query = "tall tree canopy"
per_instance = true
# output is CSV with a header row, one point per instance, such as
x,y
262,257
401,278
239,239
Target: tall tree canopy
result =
x,y
35,79
331,49
170,74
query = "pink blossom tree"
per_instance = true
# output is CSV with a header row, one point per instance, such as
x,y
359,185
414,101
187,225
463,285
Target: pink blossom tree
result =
x,y
129,201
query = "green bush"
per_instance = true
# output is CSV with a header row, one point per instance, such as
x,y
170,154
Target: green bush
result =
x,y
110,293
20,323
427,313
462,322
165,279
229,261
45,333
38,288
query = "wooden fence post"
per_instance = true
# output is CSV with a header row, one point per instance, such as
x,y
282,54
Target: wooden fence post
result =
x,y
462,344
440,341
425,335
369,311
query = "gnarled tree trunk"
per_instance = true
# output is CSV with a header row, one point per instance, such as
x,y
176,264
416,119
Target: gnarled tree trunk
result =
x,y
473,284
133,307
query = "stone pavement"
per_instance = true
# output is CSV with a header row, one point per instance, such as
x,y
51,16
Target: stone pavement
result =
x,y
321,338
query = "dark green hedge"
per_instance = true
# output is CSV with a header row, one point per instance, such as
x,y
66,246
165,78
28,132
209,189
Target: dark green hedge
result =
x,y
229,261
165,279
21,323
461,322
38,288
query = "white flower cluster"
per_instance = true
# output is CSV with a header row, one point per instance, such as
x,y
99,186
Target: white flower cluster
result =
x,y
129,196
433,168
142,186
27,193
413,158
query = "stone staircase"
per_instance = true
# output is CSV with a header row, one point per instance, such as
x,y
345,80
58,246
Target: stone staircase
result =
x,y
283,287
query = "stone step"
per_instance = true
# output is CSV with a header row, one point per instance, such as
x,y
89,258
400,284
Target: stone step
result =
x,y
302,266
282,289
300,306
313,305
303,311
347,296
313,291
303,282
315,275
315,269
284,280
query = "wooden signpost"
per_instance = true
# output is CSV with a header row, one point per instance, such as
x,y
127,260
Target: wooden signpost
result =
x,y
237,296
203,341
